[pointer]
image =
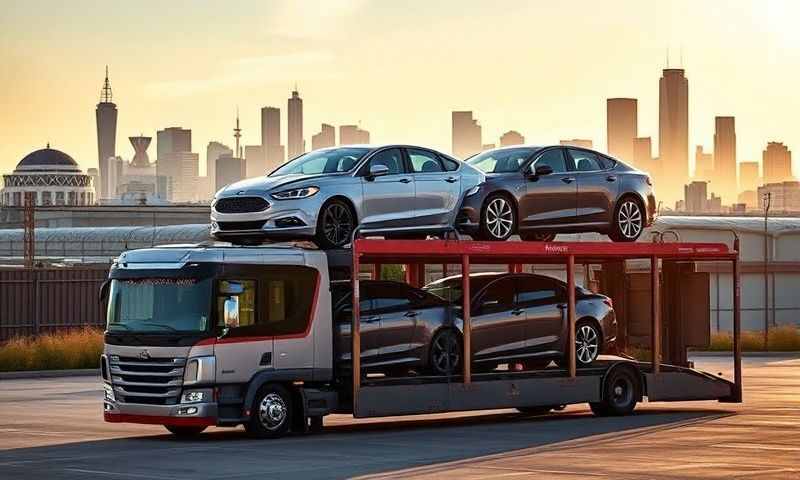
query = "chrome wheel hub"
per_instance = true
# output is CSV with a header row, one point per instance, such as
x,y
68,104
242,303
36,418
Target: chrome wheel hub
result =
x,y
499,218
629,219
587,344
272,411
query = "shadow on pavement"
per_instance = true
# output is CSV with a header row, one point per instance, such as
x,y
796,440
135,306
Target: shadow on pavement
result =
x,y
340,451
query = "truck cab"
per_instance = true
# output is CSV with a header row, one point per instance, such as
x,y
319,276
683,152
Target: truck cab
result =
x,y
195,332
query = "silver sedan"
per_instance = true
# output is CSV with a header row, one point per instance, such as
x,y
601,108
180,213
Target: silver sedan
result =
x,y
392,190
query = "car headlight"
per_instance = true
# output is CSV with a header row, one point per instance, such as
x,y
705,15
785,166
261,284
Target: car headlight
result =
x,y
109,393
295,193
472,191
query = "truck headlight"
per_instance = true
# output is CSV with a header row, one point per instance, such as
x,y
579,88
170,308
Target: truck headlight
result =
x,y
295,193
200,370
109,393
193,396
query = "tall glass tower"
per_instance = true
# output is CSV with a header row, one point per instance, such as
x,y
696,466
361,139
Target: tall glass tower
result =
x,y
106,115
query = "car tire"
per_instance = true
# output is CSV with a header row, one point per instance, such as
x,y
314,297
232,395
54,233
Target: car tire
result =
x,y
498,219
537,236
185,431
335,224
621,392
588,343
628,222
271,412
440,361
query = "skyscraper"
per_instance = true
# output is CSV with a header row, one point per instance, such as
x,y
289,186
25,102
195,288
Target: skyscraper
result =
x,y
214,151
271,137
106,117
352,135
749,178
511,137
466,134
703,164
643,155
176,166
296,144
777,161
229,169
621,127
725,183
173,139
325,138
673,132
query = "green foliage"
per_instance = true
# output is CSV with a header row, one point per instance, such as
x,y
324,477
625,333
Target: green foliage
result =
x,y
56,351
781,339
392,272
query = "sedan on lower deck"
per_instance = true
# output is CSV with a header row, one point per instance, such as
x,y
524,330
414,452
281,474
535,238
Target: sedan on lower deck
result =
x,y
540,191
325,195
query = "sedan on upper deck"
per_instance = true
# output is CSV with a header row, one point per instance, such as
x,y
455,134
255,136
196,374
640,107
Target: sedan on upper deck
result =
x,y
537,192
324,195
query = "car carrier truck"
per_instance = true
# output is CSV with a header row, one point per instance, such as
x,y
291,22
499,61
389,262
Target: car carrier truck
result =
x,y
222,335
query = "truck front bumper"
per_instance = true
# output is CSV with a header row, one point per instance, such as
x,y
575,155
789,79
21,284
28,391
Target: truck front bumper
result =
x,y
194,414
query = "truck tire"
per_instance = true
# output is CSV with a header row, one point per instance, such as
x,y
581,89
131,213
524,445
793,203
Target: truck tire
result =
x,y
185,431
620,393
271,412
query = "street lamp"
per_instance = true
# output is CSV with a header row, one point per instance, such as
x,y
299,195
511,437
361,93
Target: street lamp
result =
x,y
767,197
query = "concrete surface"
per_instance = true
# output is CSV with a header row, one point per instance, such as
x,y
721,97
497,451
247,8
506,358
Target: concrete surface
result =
x,y
53,428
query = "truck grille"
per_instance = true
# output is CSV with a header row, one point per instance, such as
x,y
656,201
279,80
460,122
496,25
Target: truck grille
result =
x,y
241,205
152,381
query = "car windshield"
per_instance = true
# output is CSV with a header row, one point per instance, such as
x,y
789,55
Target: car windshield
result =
x,y
335,160
501,161
159,305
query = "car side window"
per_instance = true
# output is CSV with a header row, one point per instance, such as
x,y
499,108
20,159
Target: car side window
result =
x,y
387,296
536,291
585,161
554,158
391,158
344,314
497,297
424,162
449,164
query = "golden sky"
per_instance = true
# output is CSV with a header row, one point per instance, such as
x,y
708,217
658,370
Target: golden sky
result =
x,y
543,68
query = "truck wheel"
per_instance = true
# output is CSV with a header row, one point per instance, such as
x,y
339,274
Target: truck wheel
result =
x,y
620,394
184,431
271,413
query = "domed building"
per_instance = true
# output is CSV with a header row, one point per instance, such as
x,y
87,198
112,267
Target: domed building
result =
x,y
52,175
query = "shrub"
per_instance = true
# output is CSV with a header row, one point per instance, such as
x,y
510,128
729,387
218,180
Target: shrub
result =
x,y
55,351
781,339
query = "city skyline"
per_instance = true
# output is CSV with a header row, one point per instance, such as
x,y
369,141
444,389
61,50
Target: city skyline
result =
x,y
199,87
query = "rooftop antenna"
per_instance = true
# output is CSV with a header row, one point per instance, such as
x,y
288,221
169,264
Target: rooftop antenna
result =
x,y
237,134
105,93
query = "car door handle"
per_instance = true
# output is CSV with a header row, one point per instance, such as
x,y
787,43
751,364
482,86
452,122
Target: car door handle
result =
x,y
568,179
451,179
518,311
405,180
611,178
411,314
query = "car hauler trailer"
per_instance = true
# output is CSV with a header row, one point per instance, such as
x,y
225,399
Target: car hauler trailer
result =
x,y
282,375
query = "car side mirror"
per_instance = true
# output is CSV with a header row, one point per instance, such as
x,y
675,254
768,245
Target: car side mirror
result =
x,y
231,312
378,171
542,170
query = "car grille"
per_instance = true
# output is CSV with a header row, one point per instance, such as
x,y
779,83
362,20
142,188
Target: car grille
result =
x,y
233,226
154,381
241,205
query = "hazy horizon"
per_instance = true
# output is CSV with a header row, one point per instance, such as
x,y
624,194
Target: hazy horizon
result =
x,y
541,69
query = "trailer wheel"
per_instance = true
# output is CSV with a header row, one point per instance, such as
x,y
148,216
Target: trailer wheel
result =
x,y
185,431
620,393
271,413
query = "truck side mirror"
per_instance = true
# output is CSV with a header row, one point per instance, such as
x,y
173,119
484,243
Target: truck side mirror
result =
x,y
231,312
102,295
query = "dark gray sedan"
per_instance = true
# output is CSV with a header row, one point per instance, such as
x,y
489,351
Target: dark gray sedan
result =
x,y
539,192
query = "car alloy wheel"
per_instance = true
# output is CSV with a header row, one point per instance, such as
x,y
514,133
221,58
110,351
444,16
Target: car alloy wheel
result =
x,y
499,218
337,224
587,344
445,353
629,220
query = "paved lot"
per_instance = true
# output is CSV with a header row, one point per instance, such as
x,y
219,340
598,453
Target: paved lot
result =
x,y
53,428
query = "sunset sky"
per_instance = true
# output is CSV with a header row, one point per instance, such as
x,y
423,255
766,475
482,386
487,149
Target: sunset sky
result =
x,y
399,68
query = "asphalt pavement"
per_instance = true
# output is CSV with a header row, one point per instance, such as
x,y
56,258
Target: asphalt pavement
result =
x,y
53,428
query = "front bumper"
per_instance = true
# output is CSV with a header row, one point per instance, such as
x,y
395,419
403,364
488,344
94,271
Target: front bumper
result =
x,y
282,219
203,414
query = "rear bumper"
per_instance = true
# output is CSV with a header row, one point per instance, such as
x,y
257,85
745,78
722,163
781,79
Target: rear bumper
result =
x,y
203,413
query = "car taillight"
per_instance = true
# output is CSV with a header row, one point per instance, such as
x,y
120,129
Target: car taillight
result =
x,y
608,302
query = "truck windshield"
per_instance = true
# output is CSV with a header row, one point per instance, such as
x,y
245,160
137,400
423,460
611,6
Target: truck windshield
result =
x,y
159,305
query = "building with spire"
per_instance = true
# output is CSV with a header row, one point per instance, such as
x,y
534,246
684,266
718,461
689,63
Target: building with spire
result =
x,y
295,144
106,118
673,133
229,167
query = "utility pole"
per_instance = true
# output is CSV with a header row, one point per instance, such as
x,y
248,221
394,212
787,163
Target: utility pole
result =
x,y
767,200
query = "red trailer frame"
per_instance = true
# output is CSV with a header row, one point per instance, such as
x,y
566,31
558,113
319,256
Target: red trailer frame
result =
x,y
415,253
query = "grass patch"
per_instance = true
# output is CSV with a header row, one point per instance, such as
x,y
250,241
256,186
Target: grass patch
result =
x,y
781,339
55,351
